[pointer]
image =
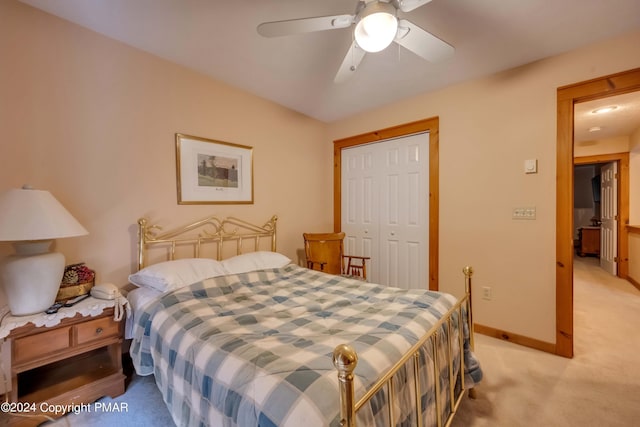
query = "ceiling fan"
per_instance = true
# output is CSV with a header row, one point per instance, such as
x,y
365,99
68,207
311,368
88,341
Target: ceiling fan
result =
x,y
376,26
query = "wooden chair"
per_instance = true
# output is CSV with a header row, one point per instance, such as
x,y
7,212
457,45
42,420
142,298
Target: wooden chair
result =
x,y
325,252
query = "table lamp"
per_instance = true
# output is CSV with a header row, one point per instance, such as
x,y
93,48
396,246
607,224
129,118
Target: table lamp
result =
x,y
32,219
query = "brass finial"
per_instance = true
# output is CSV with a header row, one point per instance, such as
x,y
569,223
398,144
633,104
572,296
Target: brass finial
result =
x,y
468,271
345,358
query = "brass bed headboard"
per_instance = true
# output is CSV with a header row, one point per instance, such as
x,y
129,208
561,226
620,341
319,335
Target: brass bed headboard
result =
x,y
211,231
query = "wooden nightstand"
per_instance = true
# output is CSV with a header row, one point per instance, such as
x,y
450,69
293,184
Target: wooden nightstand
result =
x,y
589,241
76,361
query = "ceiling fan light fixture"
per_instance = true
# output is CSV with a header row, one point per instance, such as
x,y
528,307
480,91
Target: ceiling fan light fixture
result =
x,y
377,26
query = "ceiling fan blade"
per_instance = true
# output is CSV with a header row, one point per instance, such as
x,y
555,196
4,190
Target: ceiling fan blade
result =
x,y
304,25
350,63
409,5
422,43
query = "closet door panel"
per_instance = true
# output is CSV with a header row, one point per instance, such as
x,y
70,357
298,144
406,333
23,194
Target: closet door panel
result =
x,y
386,209
360,205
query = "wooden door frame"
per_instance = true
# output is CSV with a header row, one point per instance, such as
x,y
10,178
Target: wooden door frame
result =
x,y
567,97
431,125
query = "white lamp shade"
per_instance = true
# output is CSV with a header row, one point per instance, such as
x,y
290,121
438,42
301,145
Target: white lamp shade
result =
x,y
377,27
27,214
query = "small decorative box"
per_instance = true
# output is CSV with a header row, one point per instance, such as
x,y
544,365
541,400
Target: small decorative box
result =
x,y
78,280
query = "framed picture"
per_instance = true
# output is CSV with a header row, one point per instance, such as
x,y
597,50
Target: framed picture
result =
x,y
213,172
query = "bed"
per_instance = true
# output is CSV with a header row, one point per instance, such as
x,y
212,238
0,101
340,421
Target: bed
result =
x,y
238,335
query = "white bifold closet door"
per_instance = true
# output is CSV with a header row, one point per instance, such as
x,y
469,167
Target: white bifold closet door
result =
x,y
385,209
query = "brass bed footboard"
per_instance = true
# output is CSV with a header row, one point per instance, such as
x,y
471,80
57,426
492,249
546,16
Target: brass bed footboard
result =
x,y
345,360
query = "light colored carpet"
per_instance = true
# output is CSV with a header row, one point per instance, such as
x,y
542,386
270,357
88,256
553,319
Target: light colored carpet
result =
x,y
143,406
599,387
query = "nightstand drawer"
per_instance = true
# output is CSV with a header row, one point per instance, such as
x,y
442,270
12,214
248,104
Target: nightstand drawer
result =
x,y
96,329
42,344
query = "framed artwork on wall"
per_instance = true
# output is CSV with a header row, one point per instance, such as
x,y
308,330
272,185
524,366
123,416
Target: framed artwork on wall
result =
x,y
213,172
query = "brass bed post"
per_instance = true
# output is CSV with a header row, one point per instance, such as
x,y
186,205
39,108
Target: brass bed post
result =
x,y
391,397
416,379
452,394
197,248
436,377
345,360
468,272
142,229
273,222
461,344
219,250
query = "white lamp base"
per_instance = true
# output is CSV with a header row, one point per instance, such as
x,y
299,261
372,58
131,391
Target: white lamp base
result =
x,y
31,282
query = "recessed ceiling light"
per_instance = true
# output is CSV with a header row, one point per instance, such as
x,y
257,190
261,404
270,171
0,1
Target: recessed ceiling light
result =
x,y
604,109
595,129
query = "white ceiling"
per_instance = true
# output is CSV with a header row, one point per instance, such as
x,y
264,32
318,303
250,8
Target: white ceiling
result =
x,y
219,38
622,121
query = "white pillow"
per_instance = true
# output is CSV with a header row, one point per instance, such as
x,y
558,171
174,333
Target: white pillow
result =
x,y
172,275
253,261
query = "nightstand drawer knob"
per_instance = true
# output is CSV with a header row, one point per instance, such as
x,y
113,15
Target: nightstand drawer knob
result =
x,y
98,331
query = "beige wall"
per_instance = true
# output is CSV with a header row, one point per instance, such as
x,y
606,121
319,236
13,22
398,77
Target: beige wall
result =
x,y
634,177
93,121
601,146
634,257
634,205
488,128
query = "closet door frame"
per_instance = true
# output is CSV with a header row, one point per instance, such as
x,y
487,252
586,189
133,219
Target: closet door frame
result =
x,y
430,125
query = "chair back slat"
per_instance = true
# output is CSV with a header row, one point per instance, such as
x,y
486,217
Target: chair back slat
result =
x,y
325,251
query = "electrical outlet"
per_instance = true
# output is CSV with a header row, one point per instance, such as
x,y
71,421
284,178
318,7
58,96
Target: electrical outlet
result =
x,y
486,293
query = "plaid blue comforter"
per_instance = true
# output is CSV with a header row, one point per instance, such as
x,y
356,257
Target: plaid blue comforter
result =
x,y
255,349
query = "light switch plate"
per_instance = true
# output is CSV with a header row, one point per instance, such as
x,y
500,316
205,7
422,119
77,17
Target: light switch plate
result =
x,y
524,213
531,166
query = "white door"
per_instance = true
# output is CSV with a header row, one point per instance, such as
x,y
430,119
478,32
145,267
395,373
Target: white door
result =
x,y
609,217
385,209
359,203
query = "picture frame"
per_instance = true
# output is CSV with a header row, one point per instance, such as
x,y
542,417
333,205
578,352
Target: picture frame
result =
x,y
213,172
